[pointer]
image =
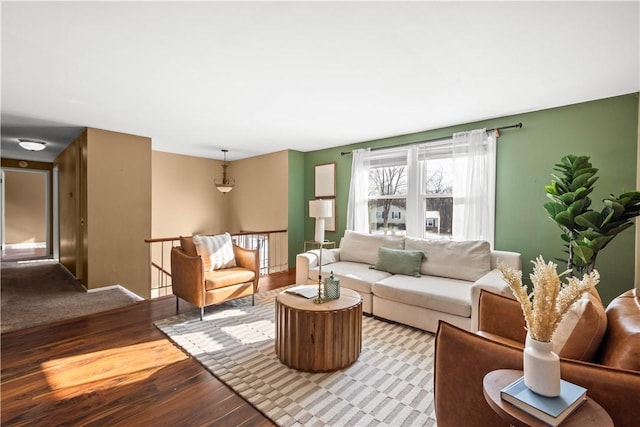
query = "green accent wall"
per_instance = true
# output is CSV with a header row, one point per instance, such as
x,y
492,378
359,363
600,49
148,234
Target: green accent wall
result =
x,y
296,205
606,130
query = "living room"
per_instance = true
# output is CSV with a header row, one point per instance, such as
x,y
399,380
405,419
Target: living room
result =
x,y
174,194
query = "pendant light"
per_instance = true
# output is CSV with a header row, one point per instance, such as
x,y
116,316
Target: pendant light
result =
x,y
224,183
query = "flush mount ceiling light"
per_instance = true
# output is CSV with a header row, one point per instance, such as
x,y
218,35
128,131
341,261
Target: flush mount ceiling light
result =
x,y
224,183
31,145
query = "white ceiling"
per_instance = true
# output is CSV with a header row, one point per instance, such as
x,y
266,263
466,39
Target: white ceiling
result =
x,y
258,77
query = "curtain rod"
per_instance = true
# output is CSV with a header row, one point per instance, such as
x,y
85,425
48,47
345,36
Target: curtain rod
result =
x,y
517,125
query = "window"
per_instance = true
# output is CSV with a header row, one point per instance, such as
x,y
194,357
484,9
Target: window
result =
x,y
443,189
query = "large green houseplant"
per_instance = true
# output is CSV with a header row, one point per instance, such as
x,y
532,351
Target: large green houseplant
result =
x,y
586,231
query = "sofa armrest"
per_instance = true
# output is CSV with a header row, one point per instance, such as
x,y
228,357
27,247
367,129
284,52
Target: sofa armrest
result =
x,y
308,260
510,259
499,316
187,277
493,282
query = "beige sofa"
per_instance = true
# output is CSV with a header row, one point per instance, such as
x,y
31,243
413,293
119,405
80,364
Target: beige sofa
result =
x,y
447,286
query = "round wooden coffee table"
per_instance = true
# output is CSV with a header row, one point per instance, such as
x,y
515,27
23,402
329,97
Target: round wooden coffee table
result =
x,y
318,337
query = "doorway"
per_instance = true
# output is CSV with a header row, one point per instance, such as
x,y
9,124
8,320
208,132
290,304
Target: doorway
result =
x,y
26,214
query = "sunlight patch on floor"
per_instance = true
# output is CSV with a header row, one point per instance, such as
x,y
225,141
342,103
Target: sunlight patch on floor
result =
x,y
71,376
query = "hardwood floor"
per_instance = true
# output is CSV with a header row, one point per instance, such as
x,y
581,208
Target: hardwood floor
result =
x,y
115,368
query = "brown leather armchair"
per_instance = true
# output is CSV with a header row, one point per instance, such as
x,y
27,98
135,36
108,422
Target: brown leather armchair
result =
x,y
191,283
462,359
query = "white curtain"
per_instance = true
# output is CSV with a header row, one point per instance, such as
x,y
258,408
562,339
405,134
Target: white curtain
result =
x,y
358,207
474,167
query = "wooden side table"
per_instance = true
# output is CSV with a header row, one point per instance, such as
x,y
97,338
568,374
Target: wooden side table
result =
x,y
318,337
589,414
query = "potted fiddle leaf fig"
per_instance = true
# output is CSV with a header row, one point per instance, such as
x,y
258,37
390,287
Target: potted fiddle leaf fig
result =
x,y
586,231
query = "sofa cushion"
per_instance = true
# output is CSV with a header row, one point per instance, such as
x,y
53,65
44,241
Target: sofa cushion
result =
x,y
399,261
436,293
581,330
359,247
352,275
216,251
464,260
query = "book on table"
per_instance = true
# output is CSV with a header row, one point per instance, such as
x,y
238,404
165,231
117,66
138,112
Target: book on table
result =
x,y
303,291
551,410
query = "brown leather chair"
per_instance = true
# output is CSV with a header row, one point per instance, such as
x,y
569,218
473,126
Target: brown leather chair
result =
x,y
191,283
611,375
462,359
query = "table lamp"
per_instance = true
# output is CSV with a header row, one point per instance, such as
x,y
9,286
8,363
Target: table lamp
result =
x,y
319,209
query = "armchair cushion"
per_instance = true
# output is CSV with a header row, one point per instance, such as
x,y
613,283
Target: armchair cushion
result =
x,y
216,251
578,336
582,329
217,279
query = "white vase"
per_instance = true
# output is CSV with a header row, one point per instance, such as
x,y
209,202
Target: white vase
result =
x,y
541,368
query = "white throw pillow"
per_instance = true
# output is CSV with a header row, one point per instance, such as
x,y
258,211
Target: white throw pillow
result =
x,y
463,260
216,251
359,247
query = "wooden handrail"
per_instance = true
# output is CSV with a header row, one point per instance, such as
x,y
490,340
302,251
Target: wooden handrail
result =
x,y
242,233
153,264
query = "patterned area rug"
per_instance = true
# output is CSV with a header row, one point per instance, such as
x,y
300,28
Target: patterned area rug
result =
x,y
391,384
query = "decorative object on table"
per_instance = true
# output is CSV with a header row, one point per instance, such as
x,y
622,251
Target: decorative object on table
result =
x,y
319,209
543,310
331,287
585,231
224,183
551,410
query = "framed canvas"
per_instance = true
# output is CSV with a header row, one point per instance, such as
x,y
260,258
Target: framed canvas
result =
x,y
325,180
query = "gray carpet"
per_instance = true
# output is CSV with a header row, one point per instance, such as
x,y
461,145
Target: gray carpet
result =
x,y
391,384
41,292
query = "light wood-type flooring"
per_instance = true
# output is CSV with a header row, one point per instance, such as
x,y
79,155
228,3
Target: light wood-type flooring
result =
x,y
115,368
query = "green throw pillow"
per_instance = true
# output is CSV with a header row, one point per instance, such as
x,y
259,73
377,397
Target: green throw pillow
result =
x,y
399,261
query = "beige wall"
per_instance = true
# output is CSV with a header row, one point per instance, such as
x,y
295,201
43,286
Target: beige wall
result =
x,y
26,216
186,202
105,209
184,199
118,210
259,200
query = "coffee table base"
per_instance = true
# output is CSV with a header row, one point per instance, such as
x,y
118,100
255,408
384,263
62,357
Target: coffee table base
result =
x,y
318,341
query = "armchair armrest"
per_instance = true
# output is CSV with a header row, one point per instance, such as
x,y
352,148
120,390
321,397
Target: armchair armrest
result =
x,y
187,277
500,317
249,259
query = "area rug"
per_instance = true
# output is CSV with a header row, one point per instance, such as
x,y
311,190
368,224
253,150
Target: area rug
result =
x,y
391,383
35,293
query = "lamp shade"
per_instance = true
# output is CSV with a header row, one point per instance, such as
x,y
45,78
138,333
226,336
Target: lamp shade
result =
x,y
320,208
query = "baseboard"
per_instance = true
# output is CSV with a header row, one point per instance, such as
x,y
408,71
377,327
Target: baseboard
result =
x,y
122,288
